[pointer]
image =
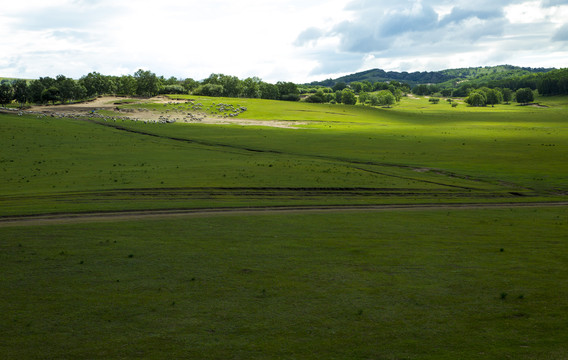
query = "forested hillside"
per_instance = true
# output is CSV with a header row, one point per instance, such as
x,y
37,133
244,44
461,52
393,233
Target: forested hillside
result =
x,y
445,78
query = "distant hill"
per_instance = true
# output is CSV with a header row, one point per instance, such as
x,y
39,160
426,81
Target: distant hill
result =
x,y
450,76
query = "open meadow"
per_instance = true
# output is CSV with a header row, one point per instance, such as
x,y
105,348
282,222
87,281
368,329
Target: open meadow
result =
x,y
298,231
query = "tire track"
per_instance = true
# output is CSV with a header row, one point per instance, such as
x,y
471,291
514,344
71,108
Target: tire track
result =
x,y
116,216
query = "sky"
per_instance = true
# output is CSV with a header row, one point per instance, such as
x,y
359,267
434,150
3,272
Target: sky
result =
x,y
277,40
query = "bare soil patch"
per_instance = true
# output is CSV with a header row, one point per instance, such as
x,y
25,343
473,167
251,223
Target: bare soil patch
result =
x,y
112,104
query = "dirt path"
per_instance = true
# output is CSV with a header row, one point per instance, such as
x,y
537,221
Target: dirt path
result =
x,y
79,218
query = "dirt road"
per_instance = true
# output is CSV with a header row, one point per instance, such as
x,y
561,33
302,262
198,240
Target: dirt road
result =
x,y
78,218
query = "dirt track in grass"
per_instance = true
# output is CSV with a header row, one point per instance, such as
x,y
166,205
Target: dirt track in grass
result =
x,y
78,218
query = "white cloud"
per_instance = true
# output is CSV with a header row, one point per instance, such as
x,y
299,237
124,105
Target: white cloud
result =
x,y
292,40
414,35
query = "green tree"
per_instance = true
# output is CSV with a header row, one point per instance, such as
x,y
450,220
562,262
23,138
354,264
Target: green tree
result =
x,y
171,81
189,85
339,86
6,94
66,88
476,98
348,97
398,93
421,90
356,86
21,92
386,98
338,95
231,84
492,96
269,91
126,85
288,91
79,91
363,97
251,88
374,100
367,86
172,89
35,89
507,95
93,82
524,96
318,97
147,83
209,90
51,94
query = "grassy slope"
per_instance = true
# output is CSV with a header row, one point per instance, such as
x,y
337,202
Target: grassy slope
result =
x,y
507,142
339,147
392,285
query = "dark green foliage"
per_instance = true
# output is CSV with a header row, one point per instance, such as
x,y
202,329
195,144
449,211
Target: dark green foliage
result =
x,y
356,87
385,98
189,84
318,97
269,91
147,83
476,98
126,85
425,89
507,95
51,94
231,84
209,90
348,97
6,94
339,86
35,89
553,83
97,84
21,92
69,89
173,89
492,96
251,88
524,96
288,91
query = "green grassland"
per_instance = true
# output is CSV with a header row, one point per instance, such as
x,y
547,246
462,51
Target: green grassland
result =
x,y
415,152
460,284
415,284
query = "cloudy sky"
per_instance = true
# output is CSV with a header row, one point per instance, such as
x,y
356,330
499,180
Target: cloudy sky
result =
x,y
291,40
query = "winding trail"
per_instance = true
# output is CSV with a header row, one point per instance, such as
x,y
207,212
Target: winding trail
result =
x,y
80,218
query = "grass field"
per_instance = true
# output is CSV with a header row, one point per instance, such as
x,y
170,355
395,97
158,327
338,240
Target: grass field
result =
x,y
392,285
414,284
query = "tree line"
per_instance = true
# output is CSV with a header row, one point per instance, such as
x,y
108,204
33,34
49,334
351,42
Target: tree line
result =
x,y
380,93
554,82
143,84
